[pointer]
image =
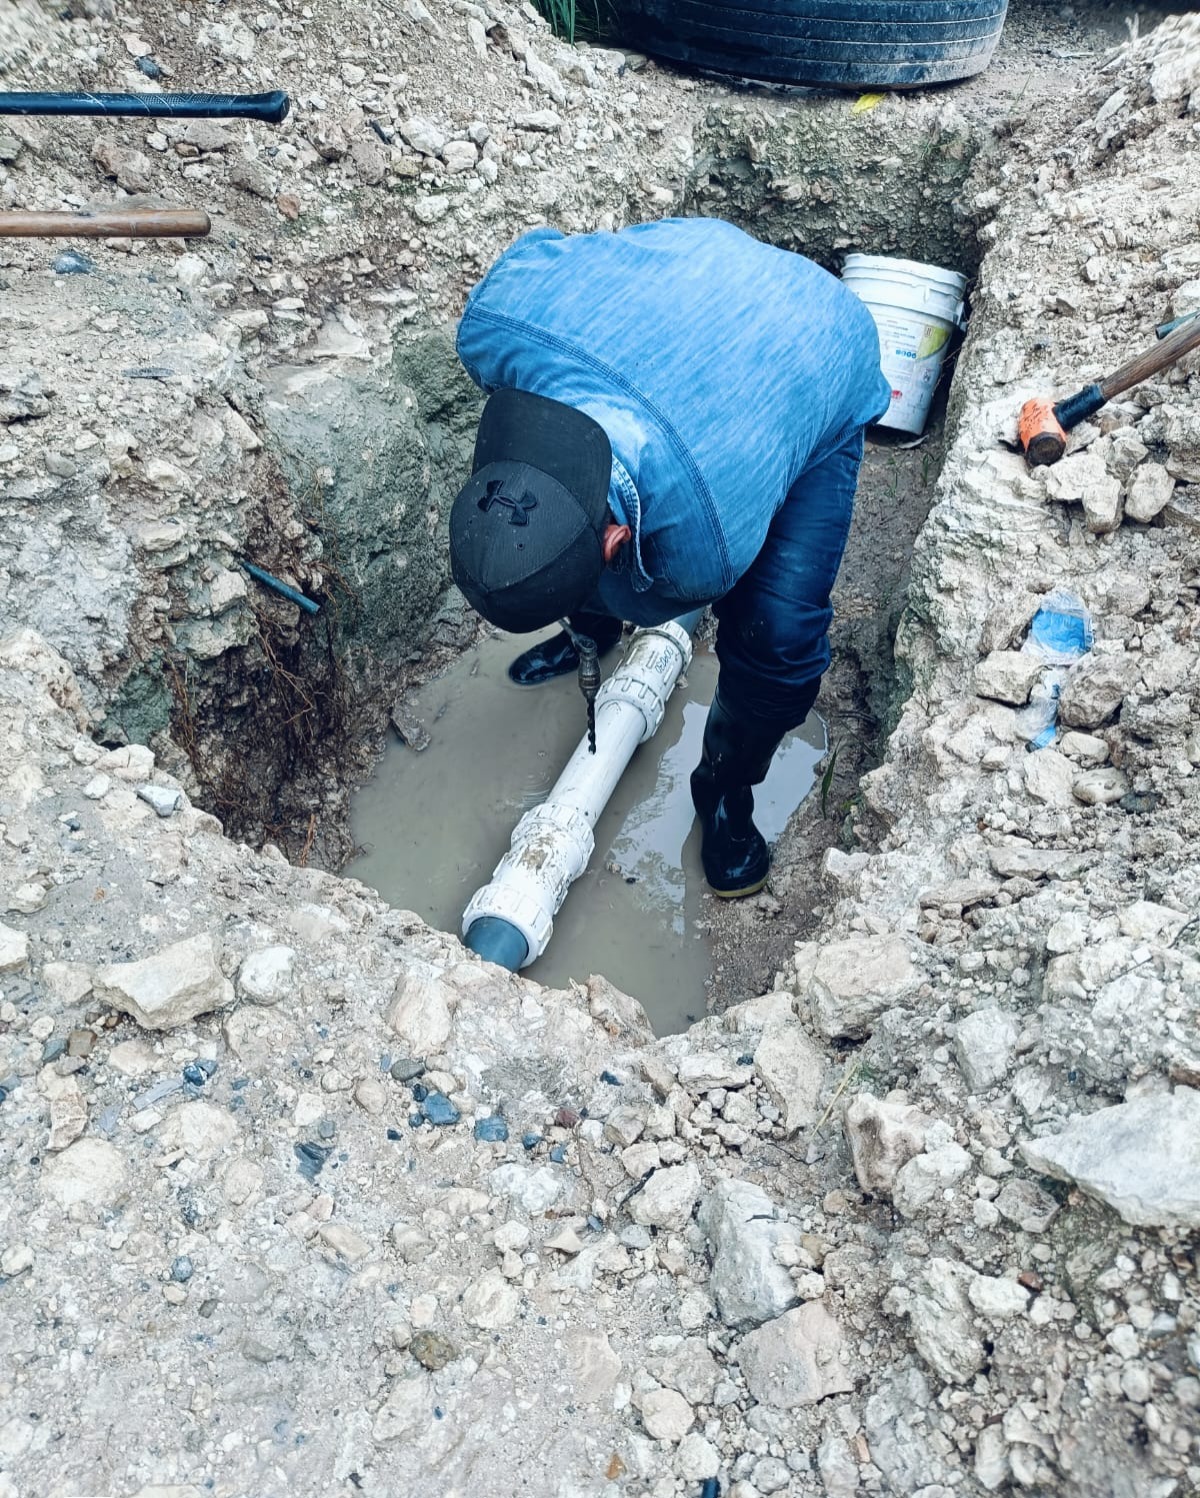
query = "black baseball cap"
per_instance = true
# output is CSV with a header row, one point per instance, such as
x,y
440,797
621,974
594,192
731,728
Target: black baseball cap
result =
x,y
527,531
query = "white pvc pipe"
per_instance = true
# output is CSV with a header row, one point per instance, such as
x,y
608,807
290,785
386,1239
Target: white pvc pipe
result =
x,y
552,844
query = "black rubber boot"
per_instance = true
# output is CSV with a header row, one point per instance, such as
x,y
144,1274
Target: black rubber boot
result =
x,y
737,754
557,656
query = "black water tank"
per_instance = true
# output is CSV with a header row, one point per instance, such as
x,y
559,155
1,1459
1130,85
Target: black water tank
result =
x,y
835,43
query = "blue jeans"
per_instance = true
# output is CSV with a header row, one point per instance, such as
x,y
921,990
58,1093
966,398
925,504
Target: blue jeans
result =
x,y
773,624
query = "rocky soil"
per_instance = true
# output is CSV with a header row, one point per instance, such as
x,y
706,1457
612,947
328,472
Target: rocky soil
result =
x,y
299,1197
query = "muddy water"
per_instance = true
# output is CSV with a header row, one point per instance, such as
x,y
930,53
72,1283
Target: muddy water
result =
x,y
433,825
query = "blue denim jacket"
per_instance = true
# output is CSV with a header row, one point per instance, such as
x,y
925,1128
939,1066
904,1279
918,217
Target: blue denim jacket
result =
x,y
720,367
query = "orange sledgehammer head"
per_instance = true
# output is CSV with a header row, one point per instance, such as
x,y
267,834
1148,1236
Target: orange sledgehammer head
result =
x,y
1041,434
1043,424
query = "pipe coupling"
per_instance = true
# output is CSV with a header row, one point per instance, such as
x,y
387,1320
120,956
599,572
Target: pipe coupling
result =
x,y
647,676
551,846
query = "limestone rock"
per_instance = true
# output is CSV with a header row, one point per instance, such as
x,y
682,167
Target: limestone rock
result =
x,y
1082,478
963,893
420,1011
459,156
22,396
983,1045
593,1365
1071,477
14,949
883,1134
232,40
696,1459
1084,747
618,1012
926,1176
1048,777
369,161
544,120
1007,675
1095,690
1099,787
1015,861
691,1369
68,1109
749,1283
536,1190
755,1016
1145,920
853,982
1026,1204
163,799
701,1071
666,1415
90,1171
132,169
490,1302
1102,506
206,135
624,1126
418,11
797,1359
253,177
171,987
545,77
431,207
1149,492
67,983
667,1198
265,976
199,1129
942,1324
477,36
1142,1158
423,136
991,1458
341,1244
408,1410
997,1298
792,1069
838,1468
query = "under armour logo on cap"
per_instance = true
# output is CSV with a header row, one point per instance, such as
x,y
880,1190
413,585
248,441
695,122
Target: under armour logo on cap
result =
x,y
518,509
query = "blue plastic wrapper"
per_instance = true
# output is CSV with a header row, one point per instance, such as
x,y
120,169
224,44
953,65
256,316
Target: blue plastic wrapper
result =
x,y
1060,633
72,263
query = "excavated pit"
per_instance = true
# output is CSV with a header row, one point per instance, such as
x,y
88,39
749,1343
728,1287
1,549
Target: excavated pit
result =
x,y
279,730
430,825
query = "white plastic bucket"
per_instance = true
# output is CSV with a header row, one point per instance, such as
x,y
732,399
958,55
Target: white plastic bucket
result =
x,y
916,308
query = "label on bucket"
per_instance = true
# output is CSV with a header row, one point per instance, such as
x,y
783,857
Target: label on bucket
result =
x,y
911,359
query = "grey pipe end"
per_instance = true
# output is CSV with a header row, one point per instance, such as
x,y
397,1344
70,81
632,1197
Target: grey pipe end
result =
x,y
496,940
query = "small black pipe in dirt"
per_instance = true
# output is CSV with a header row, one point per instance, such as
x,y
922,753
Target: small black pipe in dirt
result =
x,y
271,108
260,574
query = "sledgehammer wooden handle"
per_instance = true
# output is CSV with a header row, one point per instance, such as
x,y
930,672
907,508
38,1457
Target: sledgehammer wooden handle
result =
x,y
1132,373
119,223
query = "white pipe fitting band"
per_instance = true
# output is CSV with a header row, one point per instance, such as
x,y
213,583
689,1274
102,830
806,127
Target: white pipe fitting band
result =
x,y
646,677
550,848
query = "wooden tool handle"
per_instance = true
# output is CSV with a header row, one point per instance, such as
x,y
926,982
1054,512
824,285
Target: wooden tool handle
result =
x,y
115,223
1180,342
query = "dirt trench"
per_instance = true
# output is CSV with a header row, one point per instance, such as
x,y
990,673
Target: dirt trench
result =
x,y
275,733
